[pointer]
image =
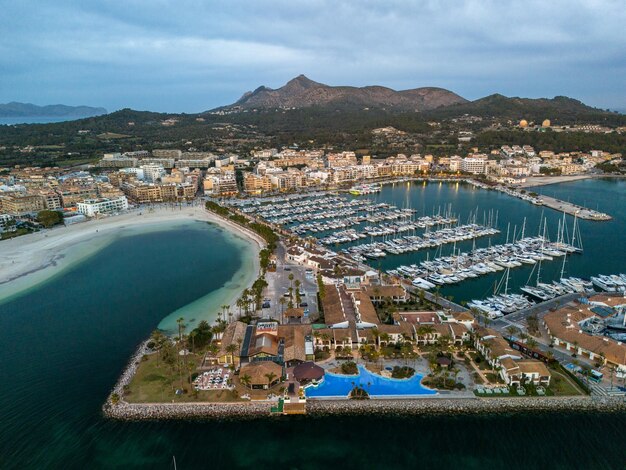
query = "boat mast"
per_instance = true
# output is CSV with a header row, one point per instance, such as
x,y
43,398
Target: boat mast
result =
x,y
543,239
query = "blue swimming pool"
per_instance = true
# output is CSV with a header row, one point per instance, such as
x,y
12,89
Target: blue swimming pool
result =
x,y
335,385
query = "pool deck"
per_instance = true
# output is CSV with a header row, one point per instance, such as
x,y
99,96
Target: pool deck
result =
x,y
376,381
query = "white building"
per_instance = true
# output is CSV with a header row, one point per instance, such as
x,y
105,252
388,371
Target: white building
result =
x,y
91,207
152,172
473,165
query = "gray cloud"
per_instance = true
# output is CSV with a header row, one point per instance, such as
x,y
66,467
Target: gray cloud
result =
x,y
193,55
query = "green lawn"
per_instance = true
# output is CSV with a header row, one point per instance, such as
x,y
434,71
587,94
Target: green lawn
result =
x,y
481,363
562,385
157,384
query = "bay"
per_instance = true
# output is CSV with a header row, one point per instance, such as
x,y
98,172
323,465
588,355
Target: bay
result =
x,y
65,342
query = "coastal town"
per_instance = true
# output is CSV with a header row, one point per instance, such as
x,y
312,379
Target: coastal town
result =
x,y
322,322
122,180
245,235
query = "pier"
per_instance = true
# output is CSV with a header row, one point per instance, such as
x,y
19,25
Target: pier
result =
x,y
573,209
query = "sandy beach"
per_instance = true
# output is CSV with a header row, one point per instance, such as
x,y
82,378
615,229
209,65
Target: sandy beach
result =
x,y
31,259
534,181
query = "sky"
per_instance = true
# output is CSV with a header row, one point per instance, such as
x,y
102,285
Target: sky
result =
x,y
193,55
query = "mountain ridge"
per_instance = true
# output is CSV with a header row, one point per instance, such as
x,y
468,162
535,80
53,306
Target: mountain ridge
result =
x,y
302,92
17,109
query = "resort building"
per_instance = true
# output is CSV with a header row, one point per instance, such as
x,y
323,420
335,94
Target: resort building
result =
x,y
229,345
578,329
92,207
379,294
260,375
512,367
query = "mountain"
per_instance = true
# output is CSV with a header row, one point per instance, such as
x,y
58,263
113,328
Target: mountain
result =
x,y
15,109
500,106
301,92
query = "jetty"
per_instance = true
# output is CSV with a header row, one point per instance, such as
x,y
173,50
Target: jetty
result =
x,y
573,209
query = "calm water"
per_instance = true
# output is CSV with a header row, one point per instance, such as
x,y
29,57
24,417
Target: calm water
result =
x,y
37,119
64,344
604,242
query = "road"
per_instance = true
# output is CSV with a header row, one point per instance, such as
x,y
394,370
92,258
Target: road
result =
x,y
279,283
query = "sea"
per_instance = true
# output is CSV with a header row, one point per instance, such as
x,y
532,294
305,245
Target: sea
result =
x,y
9,121
65,341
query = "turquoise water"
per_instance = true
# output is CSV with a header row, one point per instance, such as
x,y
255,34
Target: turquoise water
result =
x,y
335,385
65,343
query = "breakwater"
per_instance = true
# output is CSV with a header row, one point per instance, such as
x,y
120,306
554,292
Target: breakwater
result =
x,y
448,406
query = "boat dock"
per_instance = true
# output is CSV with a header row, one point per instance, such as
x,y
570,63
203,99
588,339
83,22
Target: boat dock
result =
x,y
573,209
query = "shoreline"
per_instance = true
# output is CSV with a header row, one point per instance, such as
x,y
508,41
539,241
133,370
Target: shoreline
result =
x,y
32,259
381,407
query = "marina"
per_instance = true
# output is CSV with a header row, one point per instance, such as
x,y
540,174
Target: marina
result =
x,y
393,231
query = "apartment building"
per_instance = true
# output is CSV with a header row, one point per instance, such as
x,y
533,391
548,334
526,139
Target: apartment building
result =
x,y
474,165
93,207
22,204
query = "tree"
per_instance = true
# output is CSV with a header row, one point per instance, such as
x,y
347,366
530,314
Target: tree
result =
x,y
282,303
512,330
239,305
320,287
437,294
291,277
231,349
270,378
444,342
422,297
245,380
181,327
376,335
192,336
159,339
456,371
49,218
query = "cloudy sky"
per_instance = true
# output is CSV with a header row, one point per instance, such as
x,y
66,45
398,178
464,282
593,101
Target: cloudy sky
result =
x,y
189,56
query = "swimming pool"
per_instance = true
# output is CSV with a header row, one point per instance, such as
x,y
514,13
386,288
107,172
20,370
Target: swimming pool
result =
x,y
335,385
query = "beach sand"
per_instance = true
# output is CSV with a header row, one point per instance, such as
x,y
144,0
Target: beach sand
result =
x,y
29,260
534,181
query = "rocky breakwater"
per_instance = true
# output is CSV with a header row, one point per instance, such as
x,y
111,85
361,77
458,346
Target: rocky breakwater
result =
x,y
425,406
159,411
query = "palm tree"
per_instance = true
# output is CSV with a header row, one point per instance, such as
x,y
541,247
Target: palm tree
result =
x,y
270,378
231,349
511,330
376,335
239,305
531,343
291,280
192,335
181,327
245,379
456,371
213,349
437,294
159,339
224,309
444,342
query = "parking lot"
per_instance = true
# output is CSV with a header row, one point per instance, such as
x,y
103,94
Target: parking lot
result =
x,y
279,283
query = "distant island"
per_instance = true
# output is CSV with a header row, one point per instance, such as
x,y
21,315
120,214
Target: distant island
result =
x,y
15,109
